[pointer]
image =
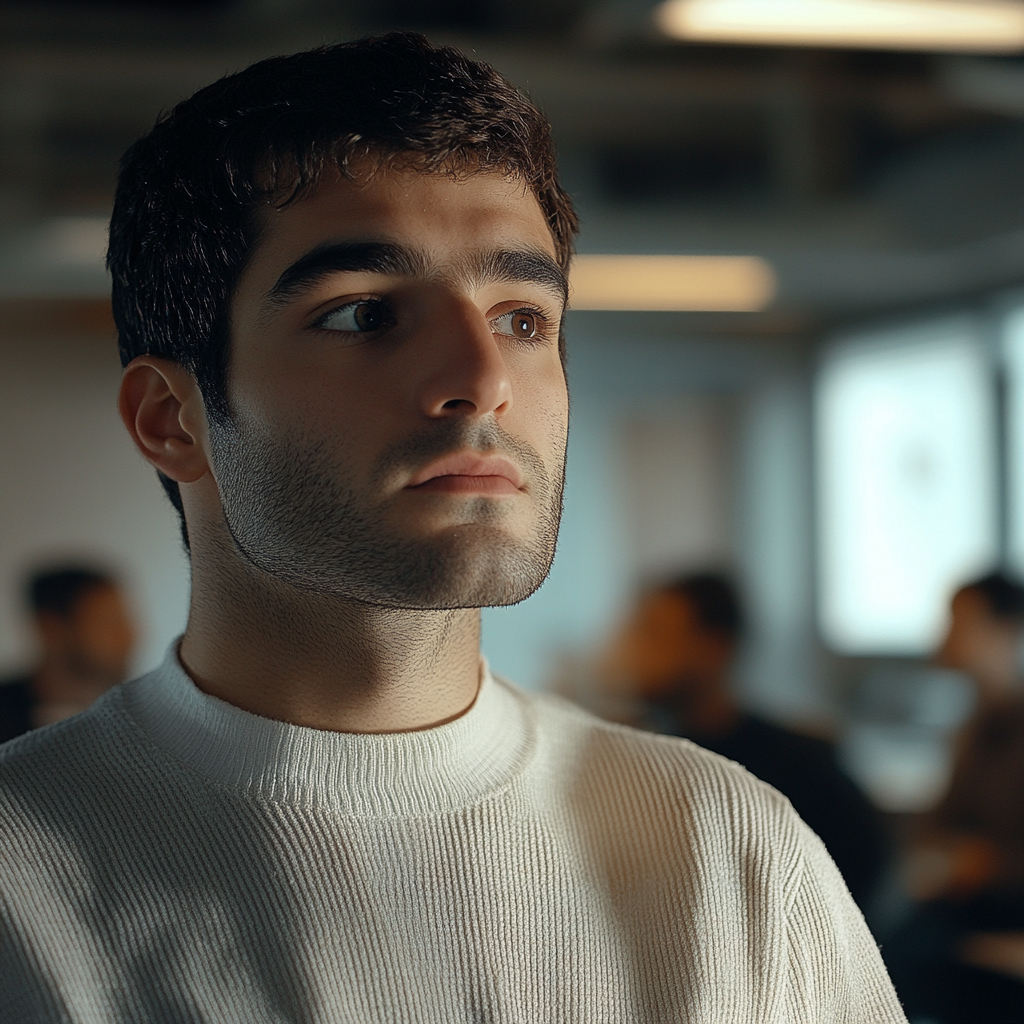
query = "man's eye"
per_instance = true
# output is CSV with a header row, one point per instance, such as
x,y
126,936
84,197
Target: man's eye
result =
x,y
520,323
356,317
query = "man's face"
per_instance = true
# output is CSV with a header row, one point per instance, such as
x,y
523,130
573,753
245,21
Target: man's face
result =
x,y
398,405
981,644
664,650
96,640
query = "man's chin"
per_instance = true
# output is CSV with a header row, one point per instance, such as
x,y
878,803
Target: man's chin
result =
x,y
468,568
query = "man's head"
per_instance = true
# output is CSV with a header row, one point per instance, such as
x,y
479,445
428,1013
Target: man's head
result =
x,y
985,632
683,635
84,626
347,268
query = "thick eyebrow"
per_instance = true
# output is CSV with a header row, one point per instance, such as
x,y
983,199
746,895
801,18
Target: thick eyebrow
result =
x,y
524,265
530,266
344,257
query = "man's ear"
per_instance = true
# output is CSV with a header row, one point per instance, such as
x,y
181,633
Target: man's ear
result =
x,y
162,407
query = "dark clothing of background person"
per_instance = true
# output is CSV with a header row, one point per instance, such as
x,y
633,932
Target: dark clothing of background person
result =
x,y
805,769
932,981
986,792
16,704
985,801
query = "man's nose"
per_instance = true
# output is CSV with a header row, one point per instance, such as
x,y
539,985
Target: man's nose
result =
x,y
465,373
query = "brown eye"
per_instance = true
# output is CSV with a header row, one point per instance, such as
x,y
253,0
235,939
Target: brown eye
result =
x,y
356,317
367,316
524,325
520,323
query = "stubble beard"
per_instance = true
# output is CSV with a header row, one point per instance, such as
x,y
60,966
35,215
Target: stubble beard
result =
x,y
295,513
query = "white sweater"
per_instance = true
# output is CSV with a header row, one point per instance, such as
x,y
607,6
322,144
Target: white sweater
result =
x,y
167,857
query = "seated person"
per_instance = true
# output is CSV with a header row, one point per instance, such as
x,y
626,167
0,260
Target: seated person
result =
x,y
677,653
86,640
960,957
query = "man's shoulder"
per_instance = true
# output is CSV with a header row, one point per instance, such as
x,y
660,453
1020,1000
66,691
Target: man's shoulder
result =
x,y
647,768
626,743
49,756
661,803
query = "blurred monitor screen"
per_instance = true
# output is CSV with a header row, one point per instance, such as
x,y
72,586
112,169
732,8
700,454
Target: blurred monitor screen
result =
x,y
906,474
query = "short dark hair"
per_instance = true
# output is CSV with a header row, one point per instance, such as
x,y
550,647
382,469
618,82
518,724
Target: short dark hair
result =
x,y
1004,596
714,599
57,591
185,221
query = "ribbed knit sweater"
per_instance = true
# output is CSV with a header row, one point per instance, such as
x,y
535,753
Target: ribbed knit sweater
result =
x,y
166,857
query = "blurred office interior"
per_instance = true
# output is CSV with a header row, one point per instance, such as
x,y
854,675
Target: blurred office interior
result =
x,y
817,385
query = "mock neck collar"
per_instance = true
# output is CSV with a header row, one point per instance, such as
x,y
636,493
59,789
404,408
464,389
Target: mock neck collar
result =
x,y
383,774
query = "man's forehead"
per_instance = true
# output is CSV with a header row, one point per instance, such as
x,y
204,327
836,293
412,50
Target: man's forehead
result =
x,y
414,207
474,229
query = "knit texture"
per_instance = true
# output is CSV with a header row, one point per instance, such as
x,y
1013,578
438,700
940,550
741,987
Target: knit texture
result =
x,y
166,857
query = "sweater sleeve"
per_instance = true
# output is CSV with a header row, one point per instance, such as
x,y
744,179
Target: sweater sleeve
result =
x,y
836,972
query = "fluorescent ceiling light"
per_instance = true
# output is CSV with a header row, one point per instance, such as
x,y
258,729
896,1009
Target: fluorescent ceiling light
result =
x,y
982,26
708,283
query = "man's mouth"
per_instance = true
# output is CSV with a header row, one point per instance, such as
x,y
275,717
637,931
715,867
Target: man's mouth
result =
x,y
469,473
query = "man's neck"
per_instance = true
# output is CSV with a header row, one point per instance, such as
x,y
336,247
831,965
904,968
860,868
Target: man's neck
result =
x,y
327,662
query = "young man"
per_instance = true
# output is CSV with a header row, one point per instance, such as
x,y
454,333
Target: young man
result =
x,y
339,280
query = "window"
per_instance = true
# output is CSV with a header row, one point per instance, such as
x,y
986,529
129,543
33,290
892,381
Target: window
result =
x,y
906,480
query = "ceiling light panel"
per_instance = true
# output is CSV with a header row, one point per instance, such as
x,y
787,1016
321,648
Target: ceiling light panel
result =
x,y
672,283
976,26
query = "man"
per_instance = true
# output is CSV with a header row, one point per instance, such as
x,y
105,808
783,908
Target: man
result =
x,y
960,956
974,840
339,279
86,639
677,653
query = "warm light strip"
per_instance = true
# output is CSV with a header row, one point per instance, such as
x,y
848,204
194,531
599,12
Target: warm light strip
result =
x,y
981,26
709,283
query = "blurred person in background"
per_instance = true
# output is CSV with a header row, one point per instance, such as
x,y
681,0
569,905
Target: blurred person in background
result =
x,y
677,654
960,956
86,638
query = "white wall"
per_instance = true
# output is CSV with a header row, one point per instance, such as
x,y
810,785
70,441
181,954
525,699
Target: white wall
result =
x,y
72,486
676,475
779,671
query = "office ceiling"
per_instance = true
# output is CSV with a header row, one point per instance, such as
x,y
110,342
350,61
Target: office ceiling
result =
x,y
873,182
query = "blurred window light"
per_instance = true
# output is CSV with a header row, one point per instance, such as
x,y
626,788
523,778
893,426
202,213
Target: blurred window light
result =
x,y
906,478
961,26
1013,361
897,744
904,770
672,283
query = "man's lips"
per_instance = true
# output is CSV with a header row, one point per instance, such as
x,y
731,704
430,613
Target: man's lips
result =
x,y
469,473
